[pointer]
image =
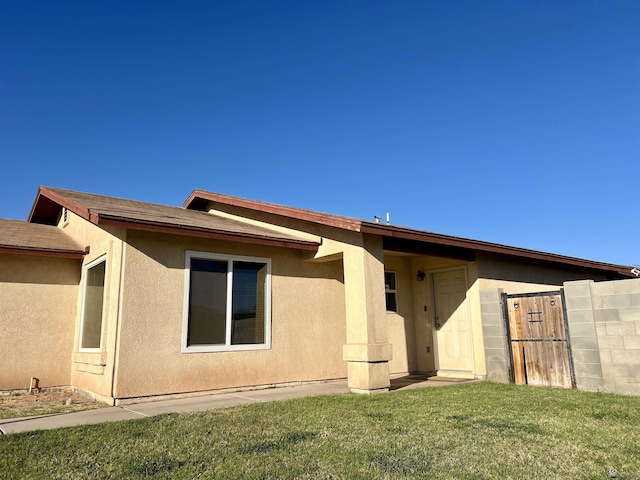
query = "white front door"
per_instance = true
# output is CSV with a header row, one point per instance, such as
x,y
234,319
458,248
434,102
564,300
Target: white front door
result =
x,y
452,325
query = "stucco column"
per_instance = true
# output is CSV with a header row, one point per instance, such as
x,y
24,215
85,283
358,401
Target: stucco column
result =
x,y
367,350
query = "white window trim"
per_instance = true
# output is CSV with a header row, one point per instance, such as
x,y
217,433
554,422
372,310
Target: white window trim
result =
x,y
390,290
185,315
85,269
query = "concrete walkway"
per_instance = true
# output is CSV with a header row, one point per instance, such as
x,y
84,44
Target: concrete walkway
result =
x,y
194,404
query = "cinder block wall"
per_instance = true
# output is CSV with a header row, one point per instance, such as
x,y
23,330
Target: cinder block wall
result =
x,y
585,349
604,332
604,327
495,336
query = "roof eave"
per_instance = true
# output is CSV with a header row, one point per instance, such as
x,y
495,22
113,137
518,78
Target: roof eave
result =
x,y
201,197
42,252
159,227
480,246
103,219
46,193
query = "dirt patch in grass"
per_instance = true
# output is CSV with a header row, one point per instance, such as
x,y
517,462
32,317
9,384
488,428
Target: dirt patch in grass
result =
x,y
24,404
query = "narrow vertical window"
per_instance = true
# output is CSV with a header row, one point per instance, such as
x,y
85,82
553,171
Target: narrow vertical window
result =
x,y
247,325
390,293
92,305
208,302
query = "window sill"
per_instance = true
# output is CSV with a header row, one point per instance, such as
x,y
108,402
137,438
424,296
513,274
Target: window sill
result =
x,y
90,358
224,348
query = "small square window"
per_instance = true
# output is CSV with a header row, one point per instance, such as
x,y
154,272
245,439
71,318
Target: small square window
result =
x,y
390,293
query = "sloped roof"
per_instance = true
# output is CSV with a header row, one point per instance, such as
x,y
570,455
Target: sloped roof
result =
x,y
400,238
200,198
111,211
33,239
392,232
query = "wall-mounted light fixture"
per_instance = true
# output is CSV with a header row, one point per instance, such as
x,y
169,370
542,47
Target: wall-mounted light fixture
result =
x,y
420,275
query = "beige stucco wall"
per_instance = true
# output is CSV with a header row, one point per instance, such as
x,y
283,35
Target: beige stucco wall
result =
x,y
367,349
94,371
310,316
38,298
308,321
401,325
515,276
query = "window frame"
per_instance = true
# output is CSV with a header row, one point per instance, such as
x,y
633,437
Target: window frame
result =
x,y
227,347
394,291
85,270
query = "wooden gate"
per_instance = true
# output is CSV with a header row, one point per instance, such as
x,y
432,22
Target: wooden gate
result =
x,y
539,345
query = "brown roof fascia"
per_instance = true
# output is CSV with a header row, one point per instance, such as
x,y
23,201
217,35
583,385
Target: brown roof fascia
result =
x,y
345,223
107,220
402,232
42,252
60,200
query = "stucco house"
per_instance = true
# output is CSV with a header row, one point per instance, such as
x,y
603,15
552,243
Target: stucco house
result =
x,y
126,300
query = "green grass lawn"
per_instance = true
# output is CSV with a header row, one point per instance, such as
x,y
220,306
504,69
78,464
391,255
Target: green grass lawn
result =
x,y
478,430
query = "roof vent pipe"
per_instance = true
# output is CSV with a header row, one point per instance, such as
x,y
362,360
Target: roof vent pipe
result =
x,y
377,218
388,219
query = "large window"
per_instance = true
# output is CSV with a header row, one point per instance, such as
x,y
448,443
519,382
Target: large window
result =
x,y
227,303
92,303
390,292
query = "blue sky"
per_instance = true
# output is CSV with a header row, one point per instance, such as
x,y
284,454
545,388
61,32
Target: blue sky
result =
x,y
512,122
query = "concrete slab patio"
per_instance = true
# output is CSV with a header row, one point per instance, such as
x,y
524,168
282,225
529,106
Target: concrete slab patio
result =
x,y
198,403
